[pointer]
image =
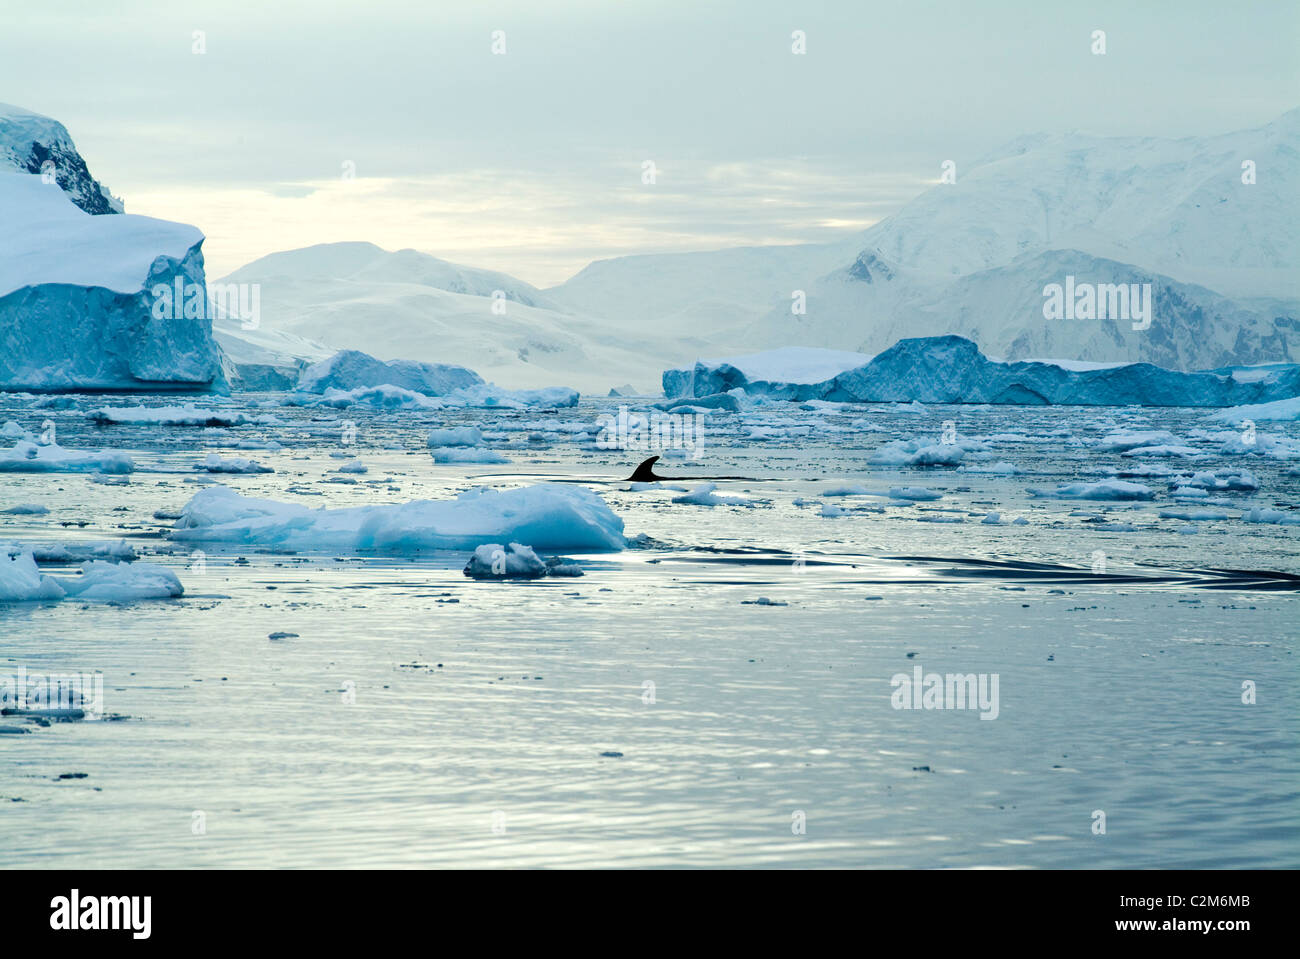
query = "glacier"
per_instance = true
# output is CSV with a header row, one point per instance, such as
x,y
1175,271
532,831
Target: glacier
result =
x,y
951,369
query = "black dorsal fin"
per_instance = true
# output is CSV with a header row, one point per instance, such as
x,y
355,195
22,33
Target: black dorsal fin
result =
x,y
645,473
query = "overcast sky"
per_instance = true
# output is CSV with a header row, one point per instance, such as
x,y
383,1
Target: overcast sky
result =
x,y
531,162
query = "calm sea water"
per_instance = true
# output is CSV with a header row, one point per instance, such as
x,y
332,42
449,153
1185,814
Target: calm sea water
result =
x,y
652,712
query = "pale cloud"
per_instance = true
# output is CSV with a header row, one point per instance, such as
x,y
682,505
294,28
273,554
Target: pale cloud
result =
x,y
530,162
542,229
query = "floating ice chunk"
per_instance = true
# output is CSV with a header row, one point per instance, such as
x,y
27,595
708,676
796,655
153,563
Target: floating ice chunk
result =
x,y
1143,470
713,402
939,454
353,466
918,453
119,583
186,415
914,493
26,509
456,436
21,581
1120,442
383,397
832,512
1230,479
27,457
484,396
1262,514
562,566
513,561
703,495
1193,515
467,454
214,463
350,370
491,396
992,519
1277,410
1000,468
118,551
1164,450
1102,490
550,516
848,489
12,431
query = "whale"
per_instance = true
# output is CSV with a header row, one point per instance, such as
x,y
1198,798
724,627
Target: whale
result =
x,y
645,473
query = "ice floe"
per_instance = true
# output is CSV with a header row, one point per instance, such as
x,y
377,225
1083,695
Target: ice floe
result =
x,y
27,457
549,516
99,582
1102,490
186,415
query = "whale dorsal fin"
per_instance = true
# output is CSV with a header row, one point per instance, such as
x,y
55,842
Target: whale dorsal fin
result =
x,y
645,473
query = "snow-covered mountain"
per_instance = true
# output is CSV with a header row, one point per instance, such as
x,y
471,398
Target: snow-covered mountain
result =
x,y
973,257
32,143
409,305
77,303
704,301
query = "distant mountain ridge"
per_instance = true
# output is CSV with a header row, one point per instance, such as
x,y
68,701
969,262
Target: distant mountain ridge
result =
x,y
410,305
972,258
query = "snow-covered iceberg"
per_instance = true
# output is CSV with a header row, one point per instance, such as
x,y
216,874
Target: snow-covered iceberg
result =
x,y
951,369
777,373
352,369
549,516
353,378
78,309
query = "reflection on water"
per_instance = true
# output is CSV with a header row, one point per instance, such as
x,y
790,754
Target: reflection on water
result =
x,y
653,712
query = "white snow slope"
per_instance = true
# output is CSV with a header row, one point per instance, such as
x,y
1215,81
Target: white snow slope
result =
x,y
972,258
409,305
969,258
